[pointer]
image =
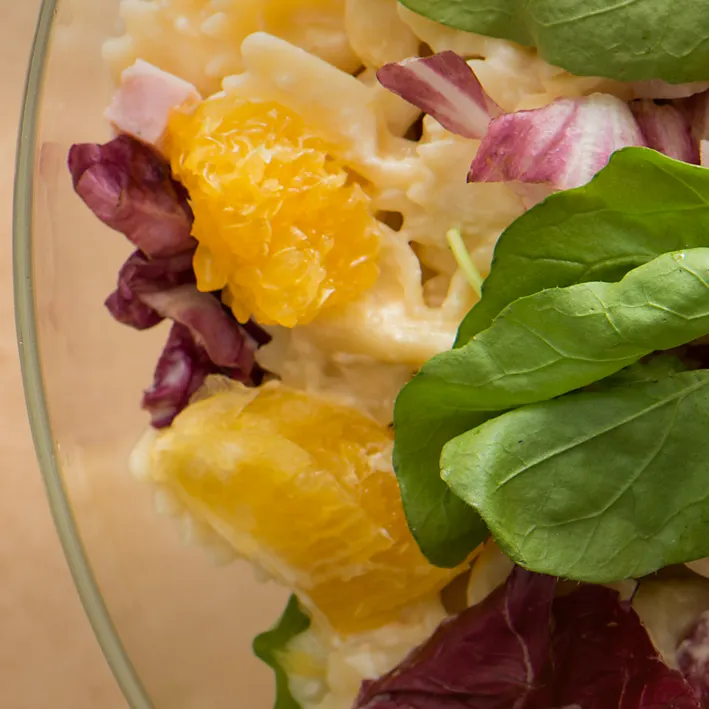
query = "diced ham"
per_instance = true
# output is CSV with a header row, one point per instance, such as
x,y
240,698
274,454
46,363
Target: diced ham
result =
x,y
141,107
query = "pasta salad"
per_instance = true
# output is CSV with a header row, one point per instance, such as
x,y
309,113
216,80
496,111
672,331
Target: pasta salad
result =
x,y
436,274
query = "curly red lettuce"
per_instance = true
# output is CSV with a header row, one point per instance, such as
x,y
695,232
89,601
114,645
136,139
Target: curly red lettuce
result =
x,y
130,188
524,648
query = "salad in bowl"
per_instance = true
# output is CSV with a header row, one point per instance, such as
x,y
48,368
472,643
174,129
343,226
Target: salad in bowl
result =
x,y
437,279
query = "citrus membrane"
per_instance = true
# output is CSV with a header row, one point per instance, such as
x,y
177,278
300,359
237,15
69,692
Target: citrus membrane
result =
x,y
303,487
283,229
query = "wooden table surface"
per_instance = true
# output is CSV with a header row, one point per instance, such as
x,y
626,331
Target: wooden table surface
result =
x,y
186,625
48,655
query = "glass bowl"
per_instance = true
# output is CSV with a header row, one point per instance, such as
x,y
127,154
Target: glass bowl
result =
x,y
175,628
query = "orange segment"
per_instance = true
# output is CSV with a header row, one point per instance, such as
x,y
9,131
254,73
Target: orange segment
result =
x,y
304,488
280,224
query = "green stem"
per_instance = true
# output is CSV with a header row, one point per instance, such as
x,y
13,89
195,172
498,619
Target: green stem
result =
x,y
465,263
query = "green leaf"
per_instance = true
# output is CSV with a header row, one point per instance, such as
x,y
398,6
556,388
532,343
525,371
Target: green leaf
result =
x,y
445,528
642,204
628,40
560,339
538,348
270,645
652,370
594,486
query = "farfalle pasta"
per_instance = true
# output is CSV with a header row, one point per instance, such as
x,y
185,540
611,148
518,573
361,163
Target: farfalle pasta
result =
x,y
199,40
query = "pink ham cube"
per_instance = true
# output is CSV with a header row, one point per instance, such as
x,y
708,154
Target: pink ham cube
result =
x,y
141,107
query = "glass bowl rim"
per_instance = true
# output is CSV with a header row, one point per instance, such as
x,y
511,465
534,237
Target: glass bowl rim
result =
x,y
30,363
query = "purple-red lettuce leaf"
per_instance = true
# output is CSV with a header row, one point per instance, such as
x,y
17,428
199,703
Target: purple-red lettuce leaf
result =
x,y
667,130
444,87
696,109
204,339
603,657
559,146
180,372
183,366
563,144
693,658
140,275
491,656
226,342
129,187
522,648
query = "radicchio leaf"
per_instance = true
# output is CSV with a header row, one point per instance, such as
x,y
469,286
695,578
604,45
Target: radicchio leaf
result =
x,y
696,108
205,339
445,87
693,658
521,648
181,370
227,343
667,130
140,275
492,656
559,146
563,144
603,657
129,187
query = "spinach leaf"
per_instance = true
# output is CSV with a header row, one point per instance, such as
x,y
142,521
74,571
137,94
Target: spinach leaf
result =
x,y
269,645
560,339
628,40
539,347
651,370
445,528
642,204
594,486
